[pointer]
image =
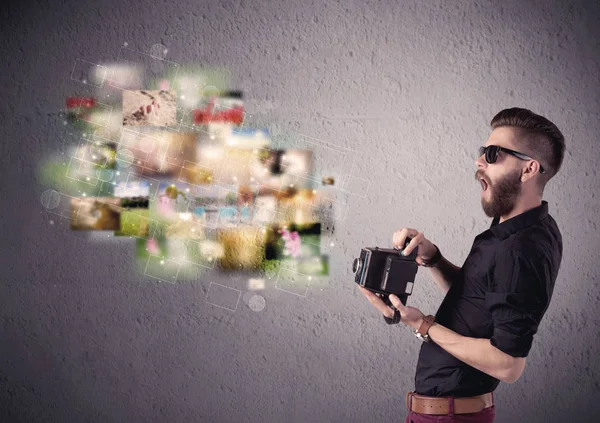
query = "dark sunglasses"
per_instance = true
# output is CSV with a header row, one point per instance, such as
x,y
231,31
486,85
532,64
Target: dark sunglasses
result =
x,y
491,154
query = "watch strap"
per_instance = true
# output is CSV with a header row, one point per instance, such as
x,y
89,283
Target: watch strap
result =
x,y
425,325
433,261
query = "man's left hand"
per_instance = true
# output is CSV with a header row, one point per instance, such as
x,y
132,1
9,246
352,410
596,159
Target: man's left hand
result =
x,y
410,316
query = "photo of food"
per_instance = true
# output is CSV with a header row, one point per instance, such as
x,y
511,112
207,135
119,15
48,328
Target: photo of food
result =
x,y
142,108
95,214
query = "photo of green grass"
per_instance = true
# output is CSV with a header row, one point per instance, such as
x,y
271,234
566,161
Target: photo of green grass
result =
x,y
134,222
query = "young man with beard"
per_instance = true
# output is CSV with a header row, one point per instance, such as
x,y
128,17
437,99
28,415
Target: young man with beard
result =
x,y
483,330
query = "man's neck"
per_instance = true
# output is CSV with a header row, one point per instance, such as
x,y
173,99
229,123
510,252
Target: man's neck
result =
x,y
522,206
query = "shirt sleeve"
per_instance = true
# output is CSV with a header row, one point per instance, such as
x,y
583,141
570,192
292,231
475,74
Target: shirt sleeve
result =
x,y
519,296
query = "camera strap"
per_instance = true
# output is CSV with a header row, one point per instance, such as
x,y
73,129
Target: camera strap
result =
x,y
394,320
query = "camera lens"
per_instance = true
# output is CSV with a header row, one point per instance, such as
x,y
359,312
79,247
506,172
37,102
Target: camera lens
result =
x,y
356,264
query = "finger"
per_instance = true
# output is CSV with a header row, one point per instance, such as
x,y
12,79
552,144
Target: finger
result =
x,y
397,303
369,294
364,291
379,304
417,239
399,237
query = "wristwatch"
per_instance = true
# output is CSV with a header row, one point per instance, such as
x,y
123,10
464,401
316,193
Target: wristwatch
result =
x,y
421,333
433,261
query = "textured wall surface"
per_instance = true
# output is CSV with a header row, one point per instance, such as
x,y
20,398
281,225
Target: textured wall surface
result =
x,y
410,87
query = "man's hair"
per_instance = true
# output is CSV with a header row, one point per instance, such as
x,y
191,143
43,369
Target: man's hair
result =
x,y
537,137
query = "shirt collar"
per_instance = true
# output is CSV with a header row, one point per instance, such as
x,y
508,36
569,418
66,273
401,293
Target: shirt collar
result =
x,y
520,221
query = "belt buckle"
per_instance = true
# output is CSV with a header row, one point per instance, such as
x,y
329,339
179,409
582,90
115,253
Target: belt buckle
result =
x,y
409,395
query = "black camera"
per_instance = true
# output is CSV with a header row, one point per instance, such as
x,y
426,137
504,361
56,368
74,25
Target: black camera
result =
x,y
385,271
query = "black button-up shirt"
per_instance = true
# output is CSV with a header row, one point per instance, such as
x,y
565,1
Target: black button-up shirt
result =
x,y
503,291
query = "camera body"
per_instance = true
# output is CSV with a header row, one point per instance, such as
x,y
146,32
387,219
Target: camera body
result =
x,y
385,271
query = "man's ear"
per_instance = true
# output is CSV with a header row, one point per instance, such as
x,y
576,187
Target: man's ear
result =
x,y
528,171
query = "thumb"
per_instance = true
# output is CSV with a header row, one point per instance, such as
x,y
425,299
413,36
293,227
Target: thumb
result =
x,y
396,302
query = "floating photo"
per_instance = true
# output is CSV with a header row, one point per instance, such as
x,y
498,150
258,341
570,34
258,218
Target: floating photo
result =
x,y
281,169
192,84
134,222
298,205
152,246
265,209
243,138
226,165
172,260
174,210
157,154
224,206
292,241
136,188
295,249
157,108
243,248
227,108
96,214
100,155
186,226
296,277
314,266
114,77
135,200
173,198
78,110
75,177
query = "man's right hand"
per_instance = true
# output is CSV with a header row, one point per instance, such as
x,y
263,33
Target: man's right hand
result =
x,y
426,249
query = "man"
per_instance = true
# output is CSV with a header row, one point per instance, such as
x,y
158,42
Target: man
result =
x,y
484,327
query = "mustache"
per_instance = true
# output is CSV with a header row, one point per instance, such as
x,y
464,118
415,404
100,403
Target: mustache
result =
x,y
479,175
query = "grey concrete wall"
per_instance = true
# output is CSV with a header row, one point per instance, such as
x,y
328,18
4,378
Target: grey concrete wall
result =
x,y
410,87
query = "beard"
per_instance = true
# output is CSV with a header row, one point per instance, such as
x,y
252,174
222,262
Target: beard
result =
x,y
502,196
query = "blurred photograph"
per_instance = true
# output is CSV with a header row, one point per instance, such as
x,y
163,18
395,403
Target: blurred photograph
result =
x,y
174,213
134,219
243,248
227,107
280,169
95,214
157,154
156,108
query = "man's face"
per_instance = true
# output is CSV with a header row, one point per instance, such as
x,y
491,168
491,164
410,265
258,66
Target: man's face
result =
x,y
503,177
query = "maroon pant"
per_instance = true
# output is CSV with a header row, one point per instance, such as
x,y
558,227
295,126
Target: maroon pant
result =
x,y
484,416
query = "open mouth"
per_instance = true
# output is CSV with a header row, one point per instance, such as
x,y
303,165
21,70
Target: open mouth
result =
x,y
484,185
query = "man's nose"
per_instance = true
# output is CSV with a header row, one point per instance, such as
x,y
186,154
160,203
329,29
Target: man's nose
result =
x,y
480,162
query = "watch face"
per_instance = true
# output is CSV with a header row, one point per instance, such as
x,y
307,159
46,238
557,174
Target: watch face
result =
x,y
421,337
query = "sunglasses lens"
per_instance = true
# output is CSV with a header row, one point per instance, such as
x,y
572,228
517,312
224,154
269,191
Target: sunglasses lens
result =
x,y
491,153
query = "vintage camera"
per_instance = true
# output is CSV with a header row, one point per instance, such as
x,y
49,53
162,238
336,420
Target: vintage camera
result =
x,y
385,271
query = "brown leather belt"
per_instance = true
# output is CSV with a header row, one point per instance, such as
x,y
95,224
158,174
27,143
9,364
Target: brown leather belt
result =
x,y
440,405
